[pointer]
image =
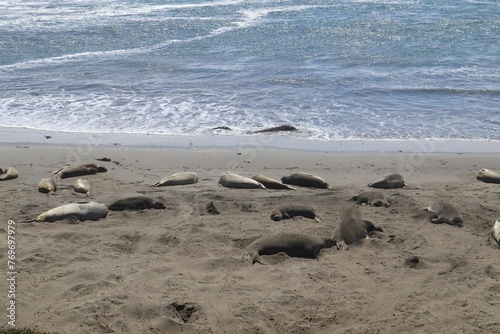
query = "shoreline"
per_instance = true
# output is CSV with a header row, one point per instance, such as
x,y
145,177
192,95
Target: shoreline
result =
x,y
22,136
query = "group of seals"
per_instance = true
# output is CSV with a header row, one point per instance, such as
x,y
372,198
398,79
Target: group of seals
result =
x,y
8,174
79,170
300,179
294,210
270,183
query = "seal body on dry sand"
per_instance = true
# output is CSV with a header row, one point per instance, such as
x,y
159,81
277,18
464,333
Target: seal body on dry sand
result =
x,y
47,185
8,174
80,210
389,182
292,244
488,176
293,210
177,179
270,183
351,228
232,180
80,170
445,213
306,180
136,203
372,198
495,231
82,186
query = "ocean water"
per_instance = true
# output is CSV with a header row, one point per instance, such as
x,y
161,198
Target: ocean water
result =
x,y
380,69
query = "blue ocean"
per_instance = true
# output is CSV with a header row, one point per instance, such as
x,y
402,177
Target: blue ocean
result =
x,y
345,69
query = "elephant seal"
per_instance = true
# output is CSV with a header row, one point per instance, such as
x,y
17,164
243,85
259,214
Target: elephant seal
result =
x,y
9,174
80,170
270,183
294,210
232,180
80,210
351,228
389,182
47,185
177,179
82,186
292,244
136,203
306,180
372,198
488,176
495,231
445,213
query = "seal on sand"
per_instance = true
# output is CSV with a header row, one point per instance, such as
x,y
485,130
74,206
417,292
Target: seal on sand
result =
x,y
488,176
294,210
8,174
445,213
292,244
389,182
80,170
80,210
136,203
495,231
351,228
271,183
306,180
82,186
47,185
177,179
232,180
372,198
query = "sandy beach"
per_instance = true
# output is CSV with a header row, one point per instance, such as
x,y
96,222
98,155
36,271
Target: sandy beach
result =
x,y
180,269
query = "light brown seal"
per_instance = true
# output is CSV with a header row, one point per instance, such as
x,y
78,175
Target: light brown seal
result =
x,y
270,183
82,186
351,228
389,182
488,176
136,203
442,212
495,231
80,210
8,174
177,179
372,198
47,185
306,180
293,210
79,170
232,180
292,244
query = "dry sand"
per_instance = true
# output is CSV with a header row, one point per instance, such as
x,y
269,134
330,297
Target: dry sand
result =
x,y
180,269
